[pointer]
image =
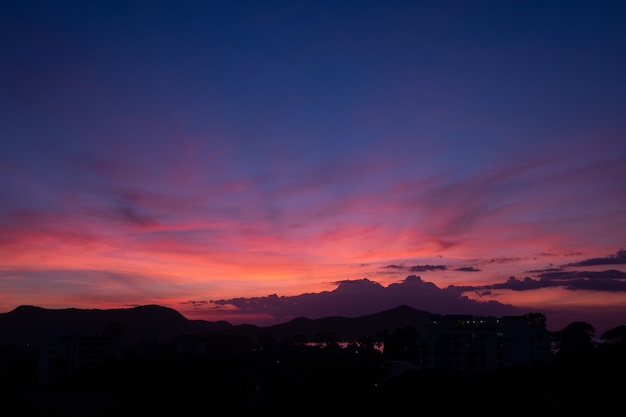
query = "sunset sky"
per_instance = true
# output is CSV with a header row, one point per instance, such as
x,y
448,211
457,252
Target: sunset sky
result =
x,y
255,161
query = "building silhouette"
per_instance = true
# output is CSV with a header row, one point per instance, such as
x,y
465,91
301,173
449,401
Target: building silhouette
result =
x,y
61,353
469,344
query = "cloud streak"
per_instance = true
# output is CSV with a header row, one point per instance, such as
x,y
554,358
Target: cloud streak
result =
x,y
618,258
610,280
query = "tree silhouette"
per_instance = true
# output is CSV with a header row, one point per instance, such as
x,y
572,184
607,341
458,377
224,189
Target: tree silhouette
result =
x,y
330,339
616,335
402,344
536,319
575,339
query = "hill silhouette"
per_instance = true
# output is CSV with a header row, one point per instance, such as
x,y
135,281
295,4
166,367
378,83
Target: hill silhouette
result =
x,y
352,328
27,324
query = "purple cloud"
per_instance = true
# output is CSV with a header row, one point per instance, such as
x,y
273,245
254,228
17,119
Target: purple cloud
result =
x,y
427,268
195,303
618,258
431,268
359,297
468,269
503,260
610,280
518,285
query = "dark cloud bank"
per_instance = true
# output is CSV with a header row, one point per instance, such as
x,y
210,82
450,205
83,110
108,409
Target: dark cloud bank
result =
x,y
354,298
359,297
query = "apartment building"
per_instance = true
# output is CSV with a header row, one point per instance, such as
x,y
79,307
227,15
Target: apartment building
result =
x,y
469,344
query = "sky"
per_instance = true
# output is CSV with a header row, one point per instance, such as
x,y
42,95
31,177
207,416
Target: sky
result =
x,y
256,161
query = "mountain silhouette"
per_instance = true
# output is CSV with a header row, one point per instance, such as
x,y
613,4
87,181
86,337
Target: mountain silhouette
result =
x,y
27,324
353,328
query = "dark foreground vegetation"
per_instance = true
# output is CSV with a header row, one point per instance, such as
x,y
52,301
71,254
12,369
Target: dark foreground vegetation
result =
x,y
238,376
